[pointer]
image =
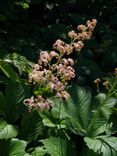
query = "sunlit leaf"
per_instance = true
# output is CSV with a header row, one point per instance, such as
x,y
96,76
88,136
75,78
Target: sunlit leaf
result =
x,y
7,130
103,145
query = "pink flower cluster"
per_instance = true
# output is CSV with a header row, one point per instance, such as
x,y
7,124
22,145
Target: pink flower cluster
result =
x,y
55,76
37,103
83,32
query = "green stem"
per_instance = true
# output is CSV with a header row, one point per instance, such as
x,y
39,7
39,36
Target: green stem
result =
x,y
60,125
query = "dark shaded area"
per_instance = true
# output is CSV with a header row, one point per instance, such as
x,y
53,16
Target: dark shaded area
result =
x,y
26,30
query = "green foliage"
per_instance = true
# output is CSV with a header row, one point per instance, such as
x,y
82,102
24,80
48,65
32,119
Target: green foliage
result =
x,y
8,70
19,62
103,145
102,112
29,132
54,147
57,146
7,131
87,115
39,151
86,124
12,147
11,106
78,108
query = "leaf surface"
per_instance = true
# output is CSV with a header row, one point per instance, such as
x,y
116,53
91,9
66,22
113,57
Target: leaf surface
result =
x,y
103,145
7,130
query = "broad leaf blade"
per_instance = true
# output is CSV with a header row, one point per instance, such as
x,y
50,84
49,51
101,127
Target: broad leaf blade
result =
x,y
14,94
31,127
78,109
103,145
8,70
18,61
13,147
39,151
7,130
57,146
101,113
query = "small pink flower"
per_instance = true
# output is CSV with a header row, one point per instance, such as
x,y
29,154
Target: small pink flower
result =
x,y
81,27
78,45
54,54
58,43
72,34
71,62
44,57
68,49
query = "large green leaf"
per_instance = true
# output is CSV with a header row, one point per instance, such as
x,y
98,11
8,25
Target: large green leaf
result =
x,y
87,116
57,146
78,108
31,127
15,92
18,61
13,147
101,113
7,130
103,145
11,104
8,70
39,151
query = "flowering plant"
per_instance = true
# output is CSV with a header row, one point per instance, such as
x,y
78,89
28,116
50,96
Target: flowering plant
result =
x,y
55,69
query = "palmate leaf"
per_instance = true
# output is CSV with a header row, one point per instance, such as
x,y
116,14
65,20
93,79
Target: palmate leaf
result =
x,y
103,145
19,62
88,116
7,130
78,109
57,146
13,147
31,127
101,113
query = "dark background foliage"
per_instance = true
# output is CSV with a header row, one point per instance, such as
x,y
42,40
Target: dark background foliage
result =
x,y
27,26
